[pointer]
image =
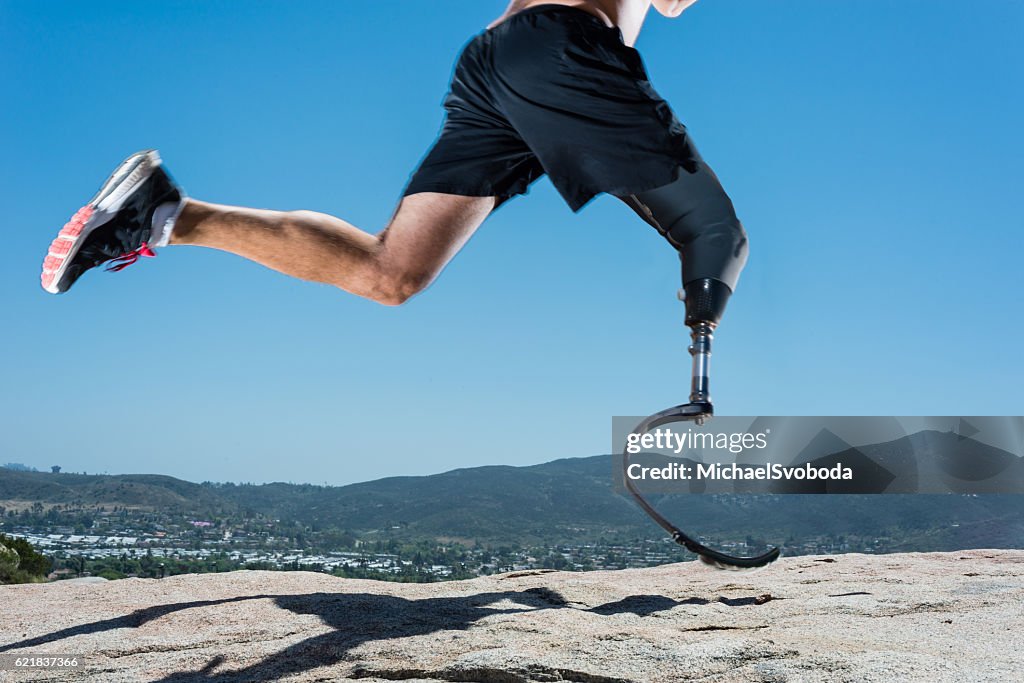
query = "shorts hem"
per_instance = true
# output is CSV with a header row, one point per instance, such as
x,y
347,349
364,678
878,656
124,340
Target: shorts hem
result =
x,y
447,189
582,199
463,191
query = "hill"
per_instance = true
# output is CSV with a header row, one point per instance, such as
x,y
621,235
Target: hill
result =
x,y
568,500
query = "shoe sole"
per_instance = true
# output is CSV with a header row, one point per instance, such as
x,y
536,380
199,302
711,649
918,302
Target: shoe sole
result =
x,y
133,171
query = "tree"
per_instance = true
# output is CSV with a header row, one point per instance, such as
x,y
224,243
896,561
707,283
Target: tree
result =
x,y
20,562
9,560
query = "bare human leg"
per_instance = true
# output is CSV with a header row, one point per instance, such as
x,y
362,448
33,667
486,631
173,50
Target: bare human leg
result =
x,y
427,230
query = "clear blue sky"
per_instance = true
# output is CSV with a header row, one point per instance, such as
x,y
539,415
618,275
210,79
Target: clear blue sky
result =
x,y
873,149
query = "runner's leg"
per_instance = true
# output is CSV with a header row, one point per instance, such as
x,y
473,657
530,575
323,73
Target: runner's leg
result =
x,y
427,230
697,217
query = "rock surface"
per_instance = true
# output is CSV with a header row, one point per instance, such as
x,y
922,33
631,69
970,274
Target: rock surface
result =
x,y
912,617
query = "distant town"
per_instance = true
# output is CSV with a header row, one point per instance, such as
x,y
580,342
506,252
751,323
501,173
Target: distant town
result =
x,y
120,542
440,527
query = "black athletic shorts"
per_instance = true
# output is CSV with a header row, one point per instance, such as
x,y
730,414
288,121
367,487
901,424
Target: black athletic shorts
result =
x,y
553,90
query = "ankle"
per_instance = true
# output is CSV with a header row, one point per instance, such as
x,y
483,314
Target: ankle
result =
x,y
186,225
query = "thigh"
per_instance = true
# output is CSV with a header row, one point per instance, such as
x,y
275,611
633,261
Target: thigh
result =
x,y
478,152
581,100
428,229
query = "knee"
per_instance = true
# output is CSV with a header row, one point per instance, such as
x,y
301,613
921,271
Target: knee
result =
x,y
394,289
722,236
727,235
712,221
716,250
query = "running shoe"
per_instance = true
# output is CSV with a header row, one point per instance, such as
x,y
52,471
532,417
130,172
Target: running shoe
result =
x,y
129,217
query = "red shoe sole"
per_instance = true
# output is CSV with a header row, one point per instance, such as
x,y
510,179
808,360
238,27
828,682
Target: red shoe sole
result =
x,y
63,245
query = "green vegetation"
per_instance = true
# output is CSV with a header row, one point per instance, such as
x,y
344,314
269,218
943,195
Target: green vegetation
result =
x,y
559,515
20,563
145,566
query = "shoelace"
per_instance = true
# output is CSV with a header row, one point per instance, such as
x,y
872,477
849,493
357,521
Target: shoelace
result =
x,y
125,260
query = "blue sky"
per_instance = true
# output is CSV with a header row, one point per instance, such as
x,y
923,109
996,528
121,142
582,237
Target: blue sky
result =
x,y
872,148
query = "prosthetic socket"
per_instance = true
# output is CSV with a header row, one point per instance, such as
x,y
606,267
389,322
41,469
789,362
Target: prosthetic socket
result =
x,y
697,217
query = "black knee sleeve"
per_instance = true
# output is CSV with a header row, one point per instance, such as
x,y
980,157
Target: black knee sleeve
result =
x,y
697,217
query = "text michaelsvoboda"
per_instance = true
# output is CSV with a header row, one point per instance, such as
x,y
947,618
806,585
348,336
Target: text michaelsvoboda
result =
x,y
769,471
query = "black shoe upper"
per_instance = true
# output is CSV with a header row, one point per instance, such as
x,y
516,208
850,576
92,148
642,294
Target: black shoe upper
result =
x,y
127,231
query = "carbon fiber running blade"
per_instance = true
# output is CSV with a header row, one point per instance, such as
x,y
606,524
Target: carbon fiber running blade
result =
x,y
718,560
712,558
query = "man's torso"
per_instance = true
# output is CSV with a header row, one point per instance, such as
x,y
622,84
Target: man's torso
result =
x,y
627,15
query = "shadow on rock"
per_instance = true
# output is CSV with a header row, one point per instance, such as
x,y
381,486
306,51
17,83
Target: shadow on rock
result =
x,y
357,618
644,605
133,620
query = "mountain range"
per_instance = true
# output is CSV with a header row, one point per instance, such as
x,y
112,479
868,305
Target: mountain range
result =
x,y
567,500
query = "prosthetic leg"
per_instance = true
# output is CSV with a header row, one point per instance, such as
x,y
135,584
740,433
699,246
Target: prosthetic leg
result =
x,y
696,216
